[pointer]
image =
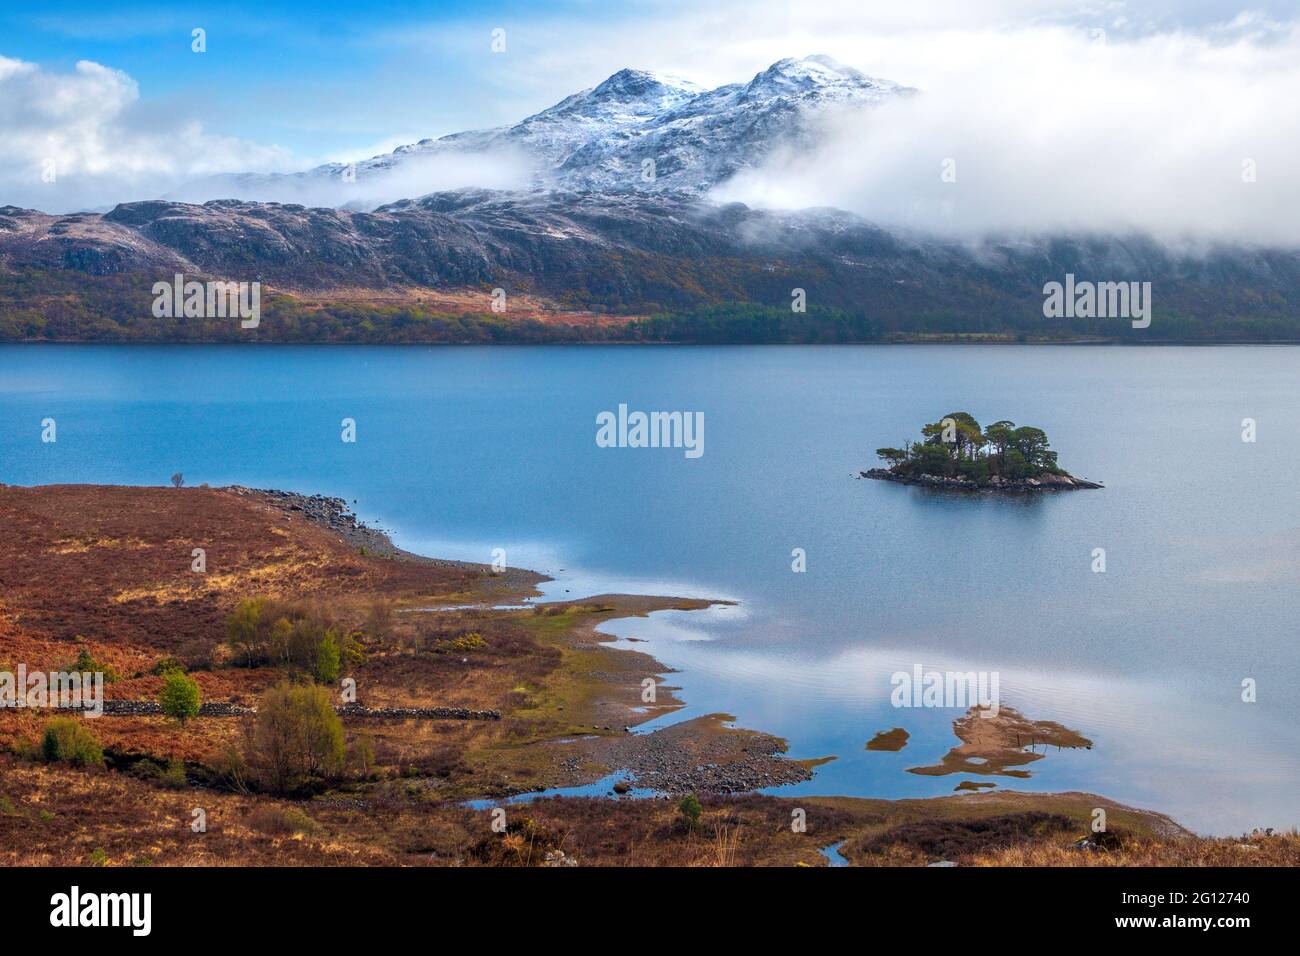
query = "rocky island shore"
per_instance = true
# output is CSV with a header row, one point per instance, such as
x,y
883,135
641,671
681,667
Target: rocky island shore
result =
x,y
1045,482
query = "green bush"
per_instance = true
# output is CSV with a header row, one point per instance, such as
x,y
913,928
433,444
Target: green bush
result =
x,y
166,664
179,696
466,642
69,740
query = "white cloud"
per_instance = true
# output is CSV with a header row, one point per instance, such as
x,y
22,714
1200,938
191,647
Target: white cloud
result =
x,y
1049,130
83,139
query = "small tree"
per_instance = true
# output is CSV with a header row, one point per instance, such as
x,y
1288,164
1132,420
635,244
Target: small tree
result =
x,y
379,621
361,754
179,696
178,480
690,810
328,661
244,632
86,663
297,736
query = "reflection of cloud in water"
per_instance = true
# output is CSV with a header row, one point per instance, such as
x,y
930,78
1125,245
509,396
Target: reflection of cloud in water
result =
x,y
1207,759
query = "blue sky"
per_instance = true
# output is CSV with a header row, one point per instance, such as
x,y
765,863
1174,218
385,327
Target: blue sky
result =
x,y
316,78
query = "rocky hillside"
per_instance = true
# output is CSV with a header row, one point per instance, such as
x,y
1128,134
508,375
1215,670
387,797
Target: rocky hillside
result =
x,y
638,253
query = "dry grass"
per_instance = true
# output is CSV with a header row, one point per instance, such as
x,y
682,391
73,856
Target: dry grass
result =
x,y
1276,850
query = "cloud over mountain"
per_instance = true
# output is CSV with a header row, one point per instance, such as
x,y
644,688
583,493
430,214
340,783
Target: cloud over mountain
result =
x,y
1044,131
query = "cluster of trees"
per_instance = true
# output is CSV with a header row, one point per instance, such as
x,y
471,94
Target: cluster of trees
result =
x,y
301,637
296,741
956,446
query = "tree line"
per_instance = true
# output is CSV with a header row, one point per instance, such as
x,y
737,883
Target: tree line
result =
x,y
957,446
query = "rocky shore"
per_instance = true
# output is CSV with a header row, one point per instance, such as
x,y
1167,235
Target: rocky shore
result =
x,y
335,515
332,513
1044,482
671,763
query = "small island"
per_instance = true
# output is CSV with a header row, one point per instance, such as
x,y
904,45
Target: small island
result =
x,y
955,452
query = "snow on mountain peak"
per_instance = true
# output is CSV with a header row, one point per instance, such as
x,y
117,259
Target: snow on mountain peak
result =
x,y
642,84
636,131
817,74
817,68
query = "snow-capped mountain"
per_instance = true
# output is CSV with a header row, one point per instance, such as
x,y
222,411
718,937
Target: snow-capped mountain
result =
x,y
636,131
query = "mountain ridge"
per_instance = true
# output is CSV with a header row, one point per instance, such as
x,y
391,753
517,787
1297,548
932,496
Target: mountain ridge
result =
x,y
597,139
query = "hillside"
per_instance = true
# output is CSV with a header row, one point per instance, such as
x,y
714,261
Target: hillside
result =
x,y
631,256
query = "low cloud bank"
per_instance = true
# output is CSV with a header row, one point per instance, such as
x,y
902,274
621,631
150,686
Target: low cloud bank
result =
x,y
1188,138
359,187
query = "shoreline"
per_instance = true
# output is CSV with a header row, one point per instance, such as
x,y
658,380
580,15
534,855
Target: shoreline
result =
x,y
568,699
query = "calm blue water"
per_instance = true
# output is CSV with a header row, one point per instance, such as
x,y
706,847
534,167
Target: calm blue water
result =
x,y
462,450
